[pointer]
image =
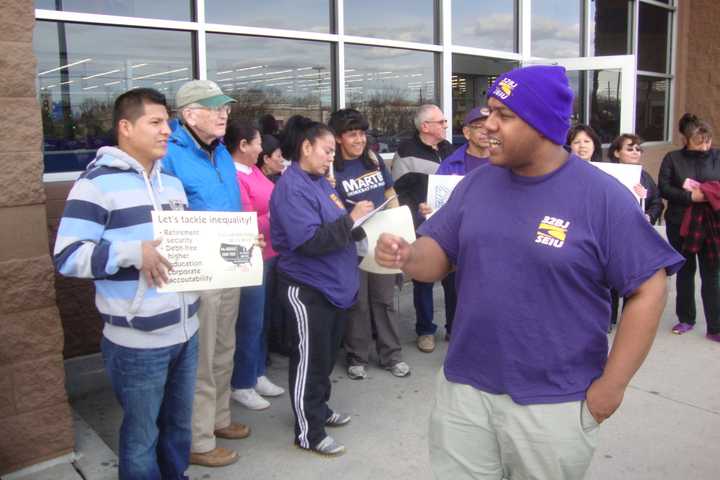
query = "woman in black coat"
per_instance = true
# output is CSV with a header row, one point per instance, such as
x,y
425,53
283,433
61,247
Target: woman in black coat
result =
x,y
681,173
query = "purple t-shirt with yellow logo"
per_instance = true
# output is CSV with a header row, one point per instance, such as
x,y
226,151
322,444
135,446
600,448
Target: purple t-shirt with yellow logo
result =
x,y
536,258
300,203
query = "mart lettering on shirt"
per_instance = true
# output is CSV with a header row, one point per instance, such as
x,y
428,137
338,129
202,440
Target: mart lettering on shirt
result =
x,y
364,183
552,231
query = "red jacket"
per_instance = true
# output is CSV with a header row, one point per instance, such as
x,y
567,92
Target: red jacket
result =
x,y
700,226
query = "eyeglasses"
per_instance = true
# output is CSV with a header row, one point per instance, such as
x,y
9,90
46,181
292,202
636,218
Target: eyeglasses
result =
x,y
475,127
442,122
226,109
636,148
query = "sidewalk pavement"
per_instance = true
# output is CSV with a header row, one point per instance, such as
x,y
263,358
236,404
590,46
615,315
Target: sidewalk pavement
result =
x,y
668,426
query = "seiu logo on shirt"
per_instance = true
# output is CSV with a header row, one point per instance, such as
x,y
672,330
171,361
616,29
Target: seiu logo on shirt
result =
x,y
552,231
365,183
504,88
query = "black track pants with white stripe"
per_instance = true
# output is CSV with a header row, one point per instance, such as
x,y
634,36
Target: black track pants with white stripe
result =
x,y
316,328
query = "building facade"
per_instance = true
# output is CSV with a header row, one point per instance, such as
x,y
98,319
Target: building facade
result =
x,y
635,66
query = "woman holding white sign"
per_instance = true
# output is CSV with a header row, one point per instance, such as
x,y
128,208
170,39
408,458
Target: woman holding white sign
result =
x,y
361,175
317,269
626,149
249,383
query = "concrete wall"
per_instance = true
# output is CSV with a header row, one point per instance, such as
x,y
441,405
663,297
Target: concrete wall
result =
x,y
34,413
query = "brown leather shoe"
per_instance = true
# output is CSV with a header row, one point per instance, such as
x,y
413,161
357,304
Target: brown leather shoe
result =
x,y
426,343
233,431
219,457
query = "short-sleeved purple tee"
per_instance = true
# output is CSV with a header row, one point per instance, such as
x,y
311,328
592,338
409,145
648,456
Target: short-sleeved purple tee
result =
x,y
536,258
300,203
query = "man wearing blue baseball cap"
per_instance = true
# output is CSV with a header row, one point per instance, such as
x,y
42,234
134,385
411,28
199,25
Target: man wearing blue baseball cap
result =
x,y
538,238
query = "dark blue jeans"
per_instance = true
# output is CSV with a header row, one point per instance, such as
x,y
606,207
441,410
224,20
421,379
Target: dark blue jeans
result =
x,y
424,305
155,388
250,338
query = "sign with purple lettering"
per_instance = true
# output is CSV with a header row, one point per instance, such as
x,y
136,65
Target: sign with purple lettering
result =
x,y
209,250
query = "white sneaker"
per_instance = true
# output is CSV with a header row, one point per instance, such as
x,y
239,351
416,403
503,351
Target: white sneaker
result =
x,y
249,398
268,389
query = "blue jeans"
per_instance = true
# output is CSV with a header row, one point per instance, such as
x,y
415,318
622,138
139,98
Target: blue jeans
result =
x,y
155,388
424,305
250,341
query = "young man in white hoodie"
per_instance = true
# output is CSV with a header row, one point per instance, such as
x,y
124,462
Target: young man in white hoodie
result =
x,y
149,345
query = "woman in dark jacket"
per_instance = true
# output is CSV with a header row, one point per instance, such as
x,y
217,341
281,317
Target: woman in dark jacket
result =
x,y
626,149
681,173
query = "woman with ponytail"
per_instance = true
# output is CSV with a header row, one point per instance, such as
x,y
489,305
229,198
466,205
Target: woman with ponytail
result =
x,y
317,275
689,180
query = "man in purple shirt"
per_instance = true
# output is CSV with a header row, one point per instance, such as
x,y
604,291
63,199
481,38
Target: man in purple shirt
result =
x,y
538,238
475,152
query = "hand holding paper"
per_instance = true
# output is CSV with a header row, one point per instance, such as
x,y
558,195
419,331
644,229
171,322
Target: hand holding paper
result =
x,y
361,209
154,265
640,191
690,184
425,210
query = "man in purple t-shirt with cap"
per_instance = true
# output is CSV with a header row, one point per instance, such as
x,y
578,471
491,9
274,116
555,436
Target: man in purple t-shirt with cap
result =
x,y
538,238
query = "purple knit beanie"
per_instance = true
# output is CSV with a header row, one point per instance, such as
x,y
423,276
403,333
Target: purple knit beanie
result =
x,y
540,95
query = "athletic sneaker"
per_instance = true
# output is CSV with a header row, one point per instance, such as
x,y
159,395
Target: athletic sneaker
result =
x,y
681,328
249,398
329,447
337,420
400,369
268,389
356,372
715,337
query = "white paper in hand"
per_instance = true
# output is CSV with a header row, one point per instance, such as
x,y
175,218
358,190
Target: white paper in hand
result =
x,y
209,250
397,221
628,175
439,189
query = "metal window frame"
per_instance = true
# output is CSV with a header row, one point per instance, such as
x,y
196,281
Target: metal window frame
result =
x,y
443,48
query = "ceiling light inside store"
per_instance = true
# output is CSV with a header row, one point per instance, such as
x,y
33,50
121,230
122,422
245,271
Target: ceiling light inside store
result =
x,y
101,74
65,66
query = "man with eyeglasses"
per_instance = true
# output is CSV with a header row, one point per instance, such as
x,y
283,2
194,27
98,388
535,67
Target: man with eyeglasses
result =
x,y
415,159
204,166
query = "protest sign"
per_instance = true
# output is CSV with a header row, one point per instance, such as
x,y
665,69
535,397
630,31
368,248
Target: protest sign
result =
x,y
439,189
397,221
209,250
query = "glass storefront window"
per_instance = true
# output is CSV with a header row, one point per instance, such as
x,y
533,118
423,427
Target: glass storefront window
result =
x,y
162,9
485,24
406,20
556,28
83,68
609,26
386,84
306,15
576,79
651,110
654,26
472,77
605,94
282,77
